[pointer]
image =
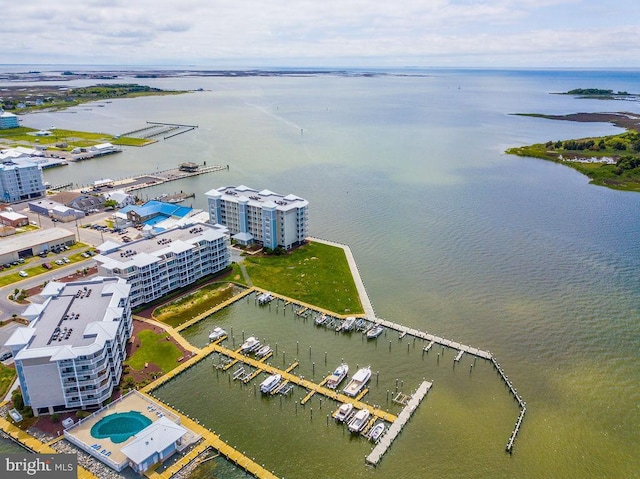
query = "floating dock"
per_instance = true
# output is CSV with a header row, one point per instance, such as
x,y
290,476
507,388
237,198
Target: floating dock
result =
x,y
385,441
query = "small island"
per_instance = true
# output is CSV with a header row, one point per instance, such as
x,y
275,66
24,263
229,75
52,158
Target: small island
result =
x,y
612,161
601,94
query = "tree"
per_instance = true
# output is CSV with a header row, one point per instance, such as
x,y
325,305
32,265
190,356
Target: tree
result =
x,y
111,204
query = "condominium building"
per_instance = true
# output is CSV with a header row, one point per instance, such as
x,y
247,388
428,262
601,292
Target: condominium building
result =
x,y
172,259
20,182
8,120
264,217
70,356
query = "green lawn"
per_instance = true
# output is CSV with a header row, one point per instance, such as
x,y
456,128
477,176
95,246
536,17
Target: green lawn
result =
x,y
7,375
154,349
315,273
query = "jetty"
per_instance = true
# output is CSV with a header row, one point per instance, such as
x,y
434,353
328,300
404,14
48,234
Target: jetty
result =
x,y
156,178
394,430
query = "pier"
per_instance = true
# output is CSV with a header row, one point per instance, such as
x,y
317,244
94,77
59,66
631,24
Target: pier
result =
x,y
394,430
236,357
213,440
403,331
518,398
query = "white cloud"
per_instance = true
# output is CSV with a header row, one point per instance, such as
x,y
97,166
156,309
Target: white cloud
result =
x,y
328,31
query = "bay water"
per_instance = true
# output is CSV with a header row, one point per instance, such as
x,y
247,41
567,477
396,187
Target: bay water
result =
x,y
517,256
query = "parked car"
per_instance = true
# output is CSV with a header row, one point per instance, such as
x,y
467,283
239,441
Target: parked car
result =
x,y
6,355
24,274
59,262
46,266
66,260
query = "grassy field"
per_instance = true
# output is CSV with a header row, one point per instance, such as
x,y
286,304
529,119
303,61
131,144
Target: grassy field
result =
x,y
7,376
24,136
315,273
186,307
154,349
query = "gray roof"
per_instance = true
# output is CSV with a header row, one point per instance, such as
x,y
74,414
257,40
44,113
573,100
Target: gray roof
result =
x,y
34,238
76,319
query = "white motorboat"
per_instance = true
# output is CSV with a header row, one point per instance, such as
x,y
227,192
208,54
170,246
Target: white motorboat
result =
x,y
358,381
250,345
216,334
270,383
343,412
376,432
338,375
359,421
320,320
347,325
263,351
265,298
375,331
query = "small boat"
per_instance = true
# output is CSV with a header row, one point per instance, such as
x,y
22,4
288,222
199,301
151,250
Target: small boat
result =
x,y
320,320
359,421
375,331
216,334
263,351
358,381
270,383
343,412
347,324
338,375
265,298
376,432
250,345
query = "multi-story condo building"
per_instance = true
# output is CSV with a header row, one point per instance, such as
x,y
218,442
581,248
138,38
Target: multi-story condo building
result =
x,y
172,259
8,120
20,182
70,355
264,217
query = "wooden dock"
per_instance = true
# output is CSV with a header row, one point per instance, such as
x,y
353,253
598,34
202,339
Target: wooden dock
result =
x,y
213,440
403,331
236,357
521,403
385,441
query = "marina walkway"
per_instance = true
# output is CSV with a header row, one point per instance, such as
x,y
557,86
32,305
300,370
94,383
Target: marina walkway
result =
x,y
403,331
29,442
385,441
213,440
292,378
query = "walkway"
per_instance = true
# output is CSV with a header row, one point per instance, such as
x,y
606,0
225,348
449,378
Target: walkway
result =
x,y
35,445
212,439
171,331
292,378
385,441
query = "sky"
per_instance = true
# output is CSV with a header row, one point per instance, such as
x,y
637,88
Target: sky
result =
x,y
426,33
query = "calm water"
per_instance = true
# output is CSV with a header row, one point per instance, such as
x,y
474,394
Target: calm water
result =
x,y
520,257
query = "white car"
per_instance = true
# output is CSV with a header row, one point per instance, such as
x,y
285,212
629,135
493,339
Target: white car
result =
x,y
66,260
59,262
24,274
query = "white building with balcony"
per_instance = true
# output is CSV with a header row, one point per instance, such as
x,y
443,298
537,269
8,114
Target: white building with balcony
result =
x,y
19,182
71,354
170,260
270,219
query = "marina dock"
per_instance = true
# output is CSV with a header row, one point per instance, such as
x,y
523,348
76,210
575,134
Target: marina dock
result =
x,y
394,430
292,378
213,440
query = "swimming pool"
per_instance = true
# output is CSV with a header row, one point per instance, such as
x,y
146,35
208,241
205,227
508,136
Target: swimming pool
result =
x,y
120,426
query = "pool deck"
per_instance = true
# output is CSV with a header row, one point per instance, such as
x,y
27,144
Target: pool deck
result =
x,y
104,449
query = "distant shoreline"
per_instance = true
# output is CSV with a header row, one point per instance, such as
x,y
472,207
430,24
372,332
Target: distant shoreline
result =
x,y
612,161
